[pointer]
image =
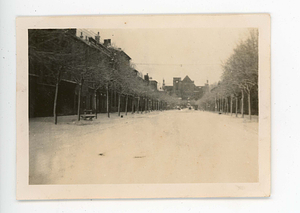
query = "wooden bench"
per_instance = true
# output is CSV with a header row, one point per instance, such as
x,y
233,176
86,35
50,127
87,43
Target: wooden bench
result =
x,y
88,115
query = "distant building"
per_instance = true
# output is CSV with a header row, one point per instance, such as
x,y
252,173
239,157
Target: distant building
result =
x,y
43,73
43,77
153,85
185,89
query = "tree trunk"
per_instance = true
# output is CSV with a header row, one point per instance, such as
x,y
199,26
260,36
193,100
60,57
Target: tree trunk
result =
x,y
56,95
138,105
230,105
221,104
95,104
119,104
132,107
79,99
107,101
215,104
242,109
151,104
111,98
227,101
225,105
78,104
147,104
126,105
115,96
249,104
236,106
55,103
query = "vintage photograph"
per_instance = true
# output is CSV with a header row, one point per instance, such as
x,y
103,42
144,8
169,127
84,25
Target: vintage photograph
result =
x,y
159,105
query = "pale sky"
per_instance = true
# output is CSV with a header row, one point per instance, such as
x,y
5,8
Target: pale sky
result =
x,y
167,53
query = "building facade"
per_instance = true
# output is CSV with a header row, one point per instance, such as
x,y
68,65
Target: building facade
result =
x,y
185,89
51,63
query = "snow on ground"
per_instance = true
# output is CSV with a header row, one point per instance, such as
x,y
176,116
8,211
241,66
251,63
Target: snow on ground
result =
x,y
159,147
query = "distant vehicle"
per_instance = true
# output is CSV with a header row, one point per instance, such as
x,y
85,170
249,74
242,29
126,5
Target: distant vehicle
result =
x,y
190,108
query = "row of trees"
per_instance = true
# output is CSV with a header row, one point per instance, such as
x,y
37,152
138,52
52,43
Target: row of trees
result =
x,y
62,55
239,79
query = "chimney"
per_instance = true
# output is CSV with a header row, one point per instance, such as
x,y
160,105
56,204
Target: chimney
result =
x,y
146,77
107,42
86,38
81,36
97,38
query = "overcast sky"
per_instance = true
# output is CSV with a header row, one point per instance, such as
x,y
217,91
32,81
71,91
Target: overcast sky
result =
x,y
167,53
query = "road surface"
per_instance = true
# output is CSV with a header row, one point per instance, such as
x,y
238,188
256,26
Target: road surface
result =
x,y
159,147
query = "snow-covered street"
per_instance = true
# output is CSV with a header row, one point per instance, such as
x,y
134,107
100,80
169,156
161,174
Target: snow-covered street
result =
x,y
184,146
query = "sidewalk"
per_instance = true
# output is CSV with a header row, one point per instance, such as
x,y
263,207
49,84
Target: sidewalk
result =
x,y
42,130
254,118
102,118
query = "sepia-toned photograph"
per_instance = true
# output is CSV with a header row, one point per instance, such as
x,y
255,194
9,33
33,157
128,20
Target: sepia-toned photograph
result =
x,y
133,105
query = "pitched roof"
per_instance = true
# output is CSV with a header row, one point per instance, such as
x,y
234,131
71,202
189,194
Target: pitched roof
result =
x,y
187,79
168,88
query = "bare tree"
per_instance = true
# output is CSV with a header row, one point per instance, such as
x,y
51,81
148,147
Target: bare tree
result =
x,y
53,51
241,69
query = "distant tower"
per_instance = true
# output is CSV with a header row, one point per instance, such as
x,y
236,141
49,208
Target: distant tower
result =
x,y
163,86
97,38
177,86
206,86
